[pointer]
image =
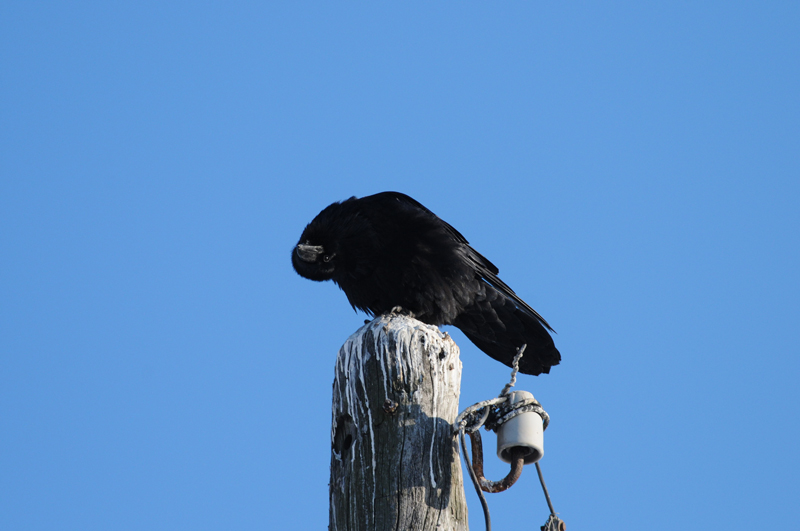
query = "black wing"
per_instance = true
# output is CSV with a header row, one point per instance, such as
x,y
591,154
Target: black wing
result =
x,y
482,266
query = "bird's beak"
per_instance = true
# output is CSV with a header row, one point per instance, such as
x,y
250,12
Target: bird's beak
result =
x,y
309,253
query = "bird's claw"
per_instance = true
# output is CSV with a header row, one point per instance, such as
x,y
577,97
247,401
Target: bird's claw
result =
x,y
399,310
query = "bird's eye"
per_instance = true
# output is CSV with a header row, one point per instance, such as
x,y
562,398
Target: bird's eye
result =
x,y
326,258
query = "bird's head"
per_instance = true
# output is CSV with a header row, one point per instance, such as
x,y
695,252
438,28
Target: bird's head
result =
x,y
338,244
318,253
314,259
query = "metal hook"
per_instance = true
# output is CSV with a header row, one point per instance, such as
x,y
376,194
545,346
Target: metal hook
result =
x,y
517,456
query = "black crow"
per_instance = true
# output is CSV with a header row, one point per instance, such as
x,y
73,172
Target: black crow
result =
x,y
387,251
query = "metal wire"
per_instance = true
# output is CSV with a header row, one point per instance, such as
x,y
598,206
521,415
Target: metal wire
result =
x,y
487,519
544,488
514,371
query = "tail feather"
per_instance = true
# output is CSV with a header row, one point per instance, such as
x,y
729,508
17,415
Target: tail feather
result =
x,y
498,327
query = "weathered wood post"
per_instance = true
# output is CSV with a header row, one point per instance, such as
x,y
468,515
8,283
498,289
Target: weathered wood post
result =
x,y
395,462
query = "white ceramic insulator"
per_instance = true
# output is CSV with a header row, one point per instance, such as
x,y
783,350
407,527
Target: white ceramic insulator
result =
x,y
524,431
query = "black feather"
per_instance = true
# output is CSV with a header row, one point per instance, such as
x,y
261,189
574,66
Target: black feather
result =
x,y
387,250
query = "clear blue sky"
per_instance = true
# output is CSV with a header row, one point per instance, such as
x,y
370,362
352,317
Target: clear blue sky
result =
x,y
632,168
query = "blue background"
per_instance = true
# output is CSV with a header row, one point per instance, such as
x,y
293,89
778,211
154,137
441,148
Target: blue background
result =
x,y
632,169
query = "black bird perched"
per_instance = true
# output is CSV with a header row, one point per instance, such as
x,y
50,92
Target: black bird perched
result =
x,y
387,250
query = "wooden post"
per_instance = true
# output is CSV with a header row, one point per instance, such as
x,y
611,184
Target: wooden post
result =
x,y
395,463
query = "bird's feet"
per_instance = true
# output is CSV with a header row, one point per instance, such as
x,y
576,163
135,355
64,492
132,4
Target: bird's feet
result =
x,y
399,310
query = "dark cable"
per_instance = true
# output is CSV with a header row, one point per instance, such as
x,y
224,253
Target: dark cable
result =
x,y
544,488
474,478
